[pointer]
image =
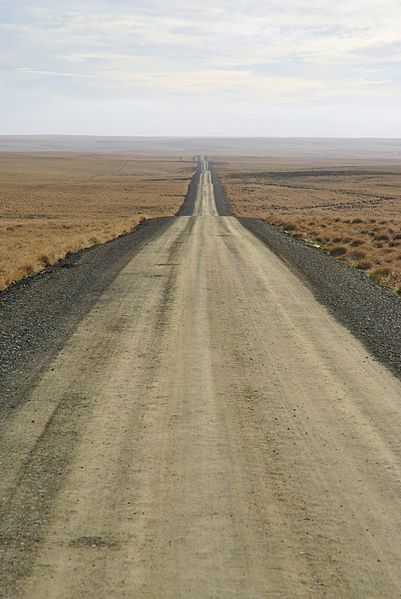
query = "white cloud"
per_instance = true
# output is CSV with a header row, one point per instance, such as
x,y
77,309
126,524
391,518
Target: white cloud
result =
x,y
287,52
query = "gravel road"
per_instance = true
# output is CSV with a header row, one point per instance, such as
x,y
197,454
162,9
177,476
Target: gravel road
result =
x,y
207,430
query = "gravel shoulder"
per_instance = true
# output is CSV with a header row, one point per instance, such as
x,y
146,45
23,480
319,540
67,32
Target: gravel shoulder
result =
x,y
38,314
188,204
220,198
369,311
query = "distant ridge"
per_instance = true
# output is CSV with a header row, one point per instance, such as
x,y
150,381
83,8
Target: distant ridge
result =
x,y
313,147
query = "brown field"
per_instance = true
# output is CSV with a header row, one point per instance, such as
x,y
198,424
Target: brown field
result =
x,y
352,212
54,203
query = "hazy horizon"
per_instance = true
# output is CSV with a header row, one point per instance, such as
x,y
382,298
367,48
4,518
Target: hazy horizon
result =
x,y
341,150
268,137
188,69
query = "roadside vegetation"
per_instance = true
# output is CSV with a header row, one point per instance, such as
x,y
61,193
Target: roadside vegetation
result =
x,y
52,204
353,213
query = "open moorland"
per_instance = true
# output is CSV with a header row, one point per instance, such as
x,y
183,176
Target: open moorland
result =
x,y
352,211
54,203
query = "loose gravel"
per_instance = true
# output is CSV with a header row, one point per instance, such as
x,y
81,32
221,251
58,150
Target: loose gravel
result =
x,y
188,205
222,203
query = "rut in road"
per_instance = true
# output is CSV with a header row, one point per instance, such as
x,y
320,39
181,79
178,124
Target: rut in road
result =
x,y
208,431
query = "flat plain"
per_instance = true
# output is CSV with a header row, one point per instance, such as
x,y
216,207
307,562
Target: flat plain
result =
x,y
52,203
349,208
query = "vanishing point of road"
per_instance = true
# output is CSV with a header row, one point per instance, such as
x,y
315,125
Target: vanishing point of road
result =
x,y
224,437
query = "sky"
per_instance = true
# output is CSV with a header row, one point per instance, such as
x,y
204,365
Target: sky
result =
x,y
212,68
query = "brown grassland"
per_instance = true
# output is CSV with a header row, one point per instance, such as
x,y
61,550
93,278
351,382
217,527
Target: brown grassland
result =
x,y
55,203
352,212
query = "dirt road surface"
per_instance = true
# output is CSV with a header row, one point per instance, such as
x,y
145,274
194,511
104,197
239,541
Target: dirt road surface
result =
x,y
209,431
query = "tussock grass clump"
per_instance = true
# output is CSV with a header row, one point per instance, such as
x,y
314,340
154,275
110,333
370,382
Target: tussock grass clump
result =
x,y
364,265
289,226
338,251
383,271
359,255
46,259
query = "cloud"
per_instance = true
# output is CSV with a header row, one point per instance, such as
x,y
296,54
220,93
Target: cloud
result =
x,y
217,84
287,52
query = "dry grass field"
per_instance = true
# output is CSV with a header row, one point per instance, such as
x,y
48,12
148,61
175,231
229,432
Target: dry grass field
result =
x,y
352,212
54,203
